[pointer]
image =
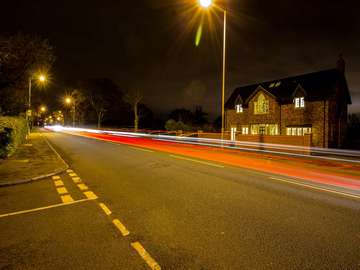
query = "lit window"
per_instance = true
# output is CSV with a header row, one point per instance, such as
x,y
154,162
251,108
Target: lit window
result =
x,y
277,84
261,106
239,108
298,131
244,130
300,102
272,85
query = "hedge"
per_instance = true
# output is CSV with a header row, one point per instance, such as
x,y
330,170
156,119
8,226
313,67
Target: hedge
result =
x,y
13,132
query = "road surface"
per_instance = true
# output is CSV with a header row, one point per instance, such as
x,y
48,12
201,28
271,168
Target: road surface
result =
x,y
186,213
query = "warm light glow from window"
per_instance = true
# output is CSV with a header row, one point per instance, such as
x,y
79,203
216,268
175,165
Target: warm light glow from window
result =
x,y
239,108
205,3
300,102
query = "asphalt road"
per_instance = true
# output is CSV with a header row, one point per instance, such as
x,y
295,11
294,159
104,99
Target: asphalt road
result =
x,y
186,213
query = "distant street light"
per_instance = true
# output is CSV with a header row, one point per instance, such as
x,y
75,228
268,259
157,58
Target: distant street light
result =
x,y
208,4
68,101
41,78
43,109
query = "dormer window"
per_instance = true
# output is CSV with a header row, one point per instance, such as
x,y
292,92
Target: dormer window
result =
x,y
239,108
299,102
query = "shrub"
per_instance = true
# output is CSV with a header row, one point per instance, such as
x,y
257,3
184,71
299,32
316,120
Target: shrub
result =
x,y
13,131
179,125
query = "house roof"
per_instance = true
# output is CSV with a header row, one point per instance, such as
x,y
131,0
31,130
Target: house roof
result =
x,y
317,85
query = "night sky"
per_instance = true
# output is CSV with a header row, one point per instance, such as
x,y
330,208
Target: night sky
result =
x,y
150,44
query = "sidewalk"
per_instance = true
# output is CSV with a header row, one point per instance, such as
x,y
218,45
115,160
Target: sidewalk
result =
x,y
34,160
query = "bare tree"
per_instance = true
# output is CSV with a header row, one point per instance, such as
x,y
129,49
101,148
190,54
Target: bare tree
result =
x,y
134,99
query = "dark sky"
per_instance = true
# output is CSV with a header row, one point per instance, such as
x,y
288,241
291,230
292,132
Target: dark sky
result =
x,y
150,44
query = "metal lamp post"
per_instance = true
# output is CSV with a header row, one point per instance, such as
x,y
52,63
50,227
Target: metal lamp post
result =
x,y
208,4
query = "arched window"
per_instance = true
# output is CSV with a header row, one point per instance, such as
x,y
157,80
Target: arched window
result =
x,y
261,105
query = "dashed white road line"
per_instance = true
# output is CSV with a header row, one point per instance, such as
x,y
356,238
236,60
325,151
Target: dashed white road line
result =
x,y
316,188
69,171
198,161
146,256
72,174
141,149
56,177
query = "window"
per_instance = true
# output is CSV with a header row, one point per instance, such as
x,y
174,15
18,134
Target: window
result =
x,y
245,130
298,131
299,102
277,84
264,129
272,85
261,106
239,108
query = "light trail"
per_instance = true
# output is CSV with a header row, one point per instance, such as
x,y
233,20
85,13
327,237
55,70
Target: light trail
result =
x,y
329,154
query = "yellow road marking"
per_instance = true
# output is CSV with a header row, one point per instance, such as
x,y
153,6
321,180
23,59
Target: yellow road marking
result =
x,y
72,174
146,256
141,149
42,208
56,177
82,187
62,190
317,188
66,199
58,183
69,171
90,195
105,209
76,179
121,227
198,161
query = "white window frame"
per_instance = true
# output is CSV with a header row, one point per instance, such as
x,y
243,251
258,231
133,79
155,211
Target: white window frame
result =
x,y
302,102
239,108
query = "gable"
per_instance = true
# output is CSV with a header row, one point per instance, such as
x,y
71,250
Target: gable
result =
x,y
260,91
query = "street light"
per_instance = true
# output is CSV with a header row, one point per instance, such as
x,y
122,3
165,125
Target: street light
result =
x,y
205,3
208,4
68,101
42,79
43,109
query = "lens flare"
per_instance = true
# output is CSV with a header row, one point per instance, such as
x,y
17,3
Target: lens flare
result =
x,y
205,3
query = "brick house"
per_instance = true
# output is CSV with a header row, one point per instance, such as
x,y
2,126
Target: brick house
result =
x,y
287,110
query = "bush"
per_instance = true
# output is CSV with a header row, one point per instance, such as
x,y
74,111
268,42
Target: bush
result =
x,y
13,131
173,126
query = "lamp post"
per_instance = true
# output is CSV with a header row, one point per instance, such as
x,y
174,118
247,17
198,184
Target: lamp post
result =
x,y
69,100
42,79
208,4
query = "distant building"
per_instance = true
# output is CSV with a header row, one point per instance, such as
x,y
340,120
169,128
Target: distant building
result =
x,y
314,103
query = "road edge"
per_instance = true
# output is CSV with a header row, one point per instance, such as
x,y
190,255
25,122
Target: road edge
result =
x,y
43,176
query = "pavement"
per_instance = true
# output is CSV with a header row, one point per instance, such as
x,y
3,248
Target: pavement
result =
x,y
34,160
150,209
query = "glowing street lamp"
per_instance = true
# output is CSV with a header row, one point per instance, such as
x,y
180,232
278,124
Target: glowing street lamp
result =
x,y
68,101
43,109
205,3
208,4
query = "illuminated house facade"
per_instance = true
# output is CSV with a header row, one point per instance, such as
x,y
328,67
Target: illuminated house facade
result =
x,y
314,103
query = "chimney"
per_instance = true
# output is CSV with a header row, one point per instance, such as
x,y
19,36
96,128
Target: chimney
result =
x,y
340,64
